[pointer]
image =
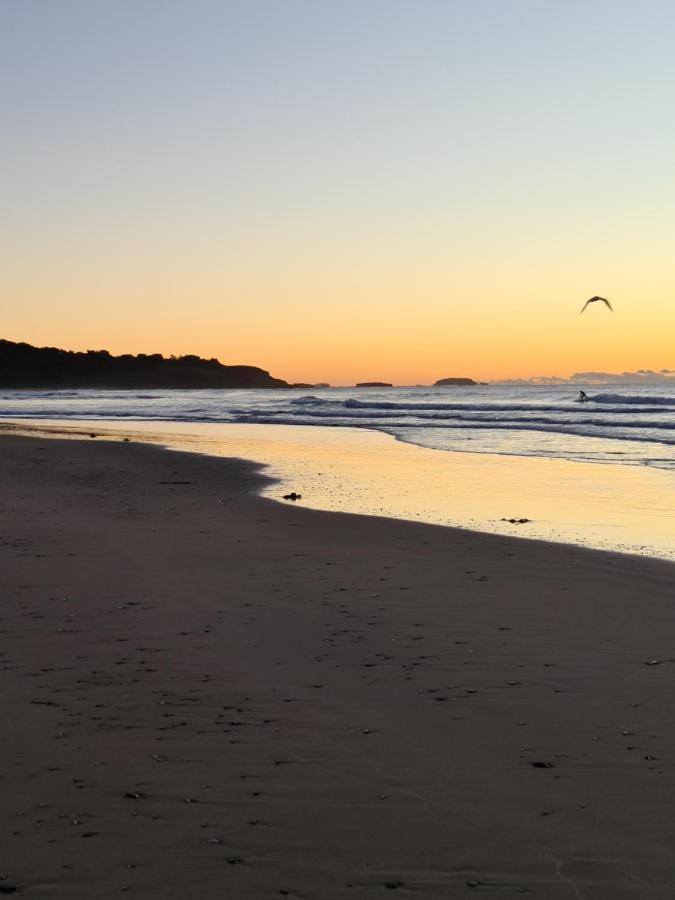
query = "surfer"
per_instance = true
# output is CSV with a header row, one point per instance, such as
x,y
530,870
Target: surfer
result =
x,y
582,398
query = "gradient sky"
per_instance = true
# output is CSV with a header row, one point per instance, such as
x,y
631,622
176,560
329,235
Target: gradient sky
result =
x,y
337,191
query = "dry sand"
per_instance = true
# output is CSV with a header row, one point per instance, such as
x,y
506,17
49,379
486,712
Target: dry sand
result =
x,y
205,694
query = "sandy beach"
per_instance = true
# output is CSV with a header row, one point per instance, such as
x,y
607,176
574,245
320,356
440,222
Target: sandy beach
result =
x,y
620,508
206,694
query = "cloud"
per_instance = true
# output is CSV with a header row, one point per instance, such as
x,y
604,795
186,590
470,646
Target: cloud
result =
x,y
641,376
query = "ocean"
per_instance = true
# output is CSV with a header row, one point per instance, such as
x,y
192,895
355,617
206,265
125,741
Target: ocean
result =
x,y
625,424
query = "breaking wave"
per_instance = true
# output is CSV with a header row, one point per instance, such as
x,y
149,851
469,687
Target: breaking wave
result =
x,y
636,426
641,400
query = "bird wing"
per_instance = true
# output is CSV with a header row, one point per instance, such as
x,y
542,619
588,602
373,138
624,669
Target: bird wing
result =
x,y
595,300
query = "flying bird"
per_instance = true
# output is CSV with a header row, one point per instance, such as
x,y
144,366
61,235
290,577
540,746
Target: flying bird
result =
x,y
595,300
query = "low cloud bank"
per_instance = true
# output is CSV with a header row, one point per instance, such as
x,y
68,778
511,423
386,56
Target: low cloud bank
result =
x,y
642,376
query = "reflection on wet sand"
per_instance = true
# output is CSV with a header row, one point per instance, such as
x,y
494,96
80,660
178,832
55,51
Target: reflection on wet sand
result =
x,y
622,508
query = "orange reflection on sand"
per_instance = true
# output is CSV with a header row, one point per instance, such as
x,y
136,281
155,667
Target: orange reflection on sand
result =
x,y
630,509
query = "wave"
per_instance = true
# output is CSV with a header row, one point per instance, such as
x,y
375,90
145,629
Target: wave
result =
x,y
435,418
588,428
608,424
37,395
307,400
635,400
568,407
503,426
357,419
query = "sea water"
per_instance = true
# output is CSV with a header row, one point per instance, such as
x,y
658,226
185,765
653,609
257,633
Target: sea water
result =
x,y
620,424
600,473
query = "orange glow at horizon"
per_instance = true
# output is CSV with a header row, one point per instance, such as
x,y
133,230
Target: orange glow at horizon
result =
x,y
418,346
400,313
343,192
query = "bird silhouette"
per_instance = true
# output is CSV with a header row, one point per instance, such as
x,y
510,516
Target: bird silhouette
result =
x,y
595,300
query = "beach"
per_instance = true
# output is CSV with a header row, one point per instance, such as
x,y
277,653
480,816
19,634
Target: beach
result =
x,y
210,694
620,508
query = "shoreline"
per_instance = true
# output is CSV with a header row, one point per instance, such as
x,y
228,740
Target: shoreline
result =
x,y
621,509
212,694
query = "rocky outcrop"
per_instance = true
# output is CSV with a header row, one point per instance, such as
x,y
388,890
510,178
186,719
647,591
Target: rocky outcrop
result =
x,y
449,382
373,384
25,366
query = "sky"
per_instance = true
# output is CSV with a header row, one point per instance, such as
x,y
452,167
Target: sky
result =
x,y
342,190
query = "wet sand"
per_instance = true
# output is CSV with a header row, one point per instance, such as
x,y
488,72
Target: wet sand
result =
x,y
208,694
621,508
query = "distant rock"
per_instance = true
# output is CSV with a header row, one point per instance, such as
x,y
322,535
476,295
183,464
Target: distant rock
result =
x,y
459,382
373,384
302,384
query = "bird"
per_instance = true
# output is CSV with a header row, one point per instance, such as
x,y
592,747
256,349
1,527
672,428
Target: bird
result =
x,y
595,300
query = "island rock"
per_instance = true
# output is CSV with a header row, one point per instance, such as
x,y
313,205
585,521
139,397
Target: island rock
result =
x,y
460,382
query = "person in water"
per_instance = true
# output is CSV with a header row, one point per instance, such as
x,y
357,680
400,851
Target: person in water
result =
x,y
582,397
